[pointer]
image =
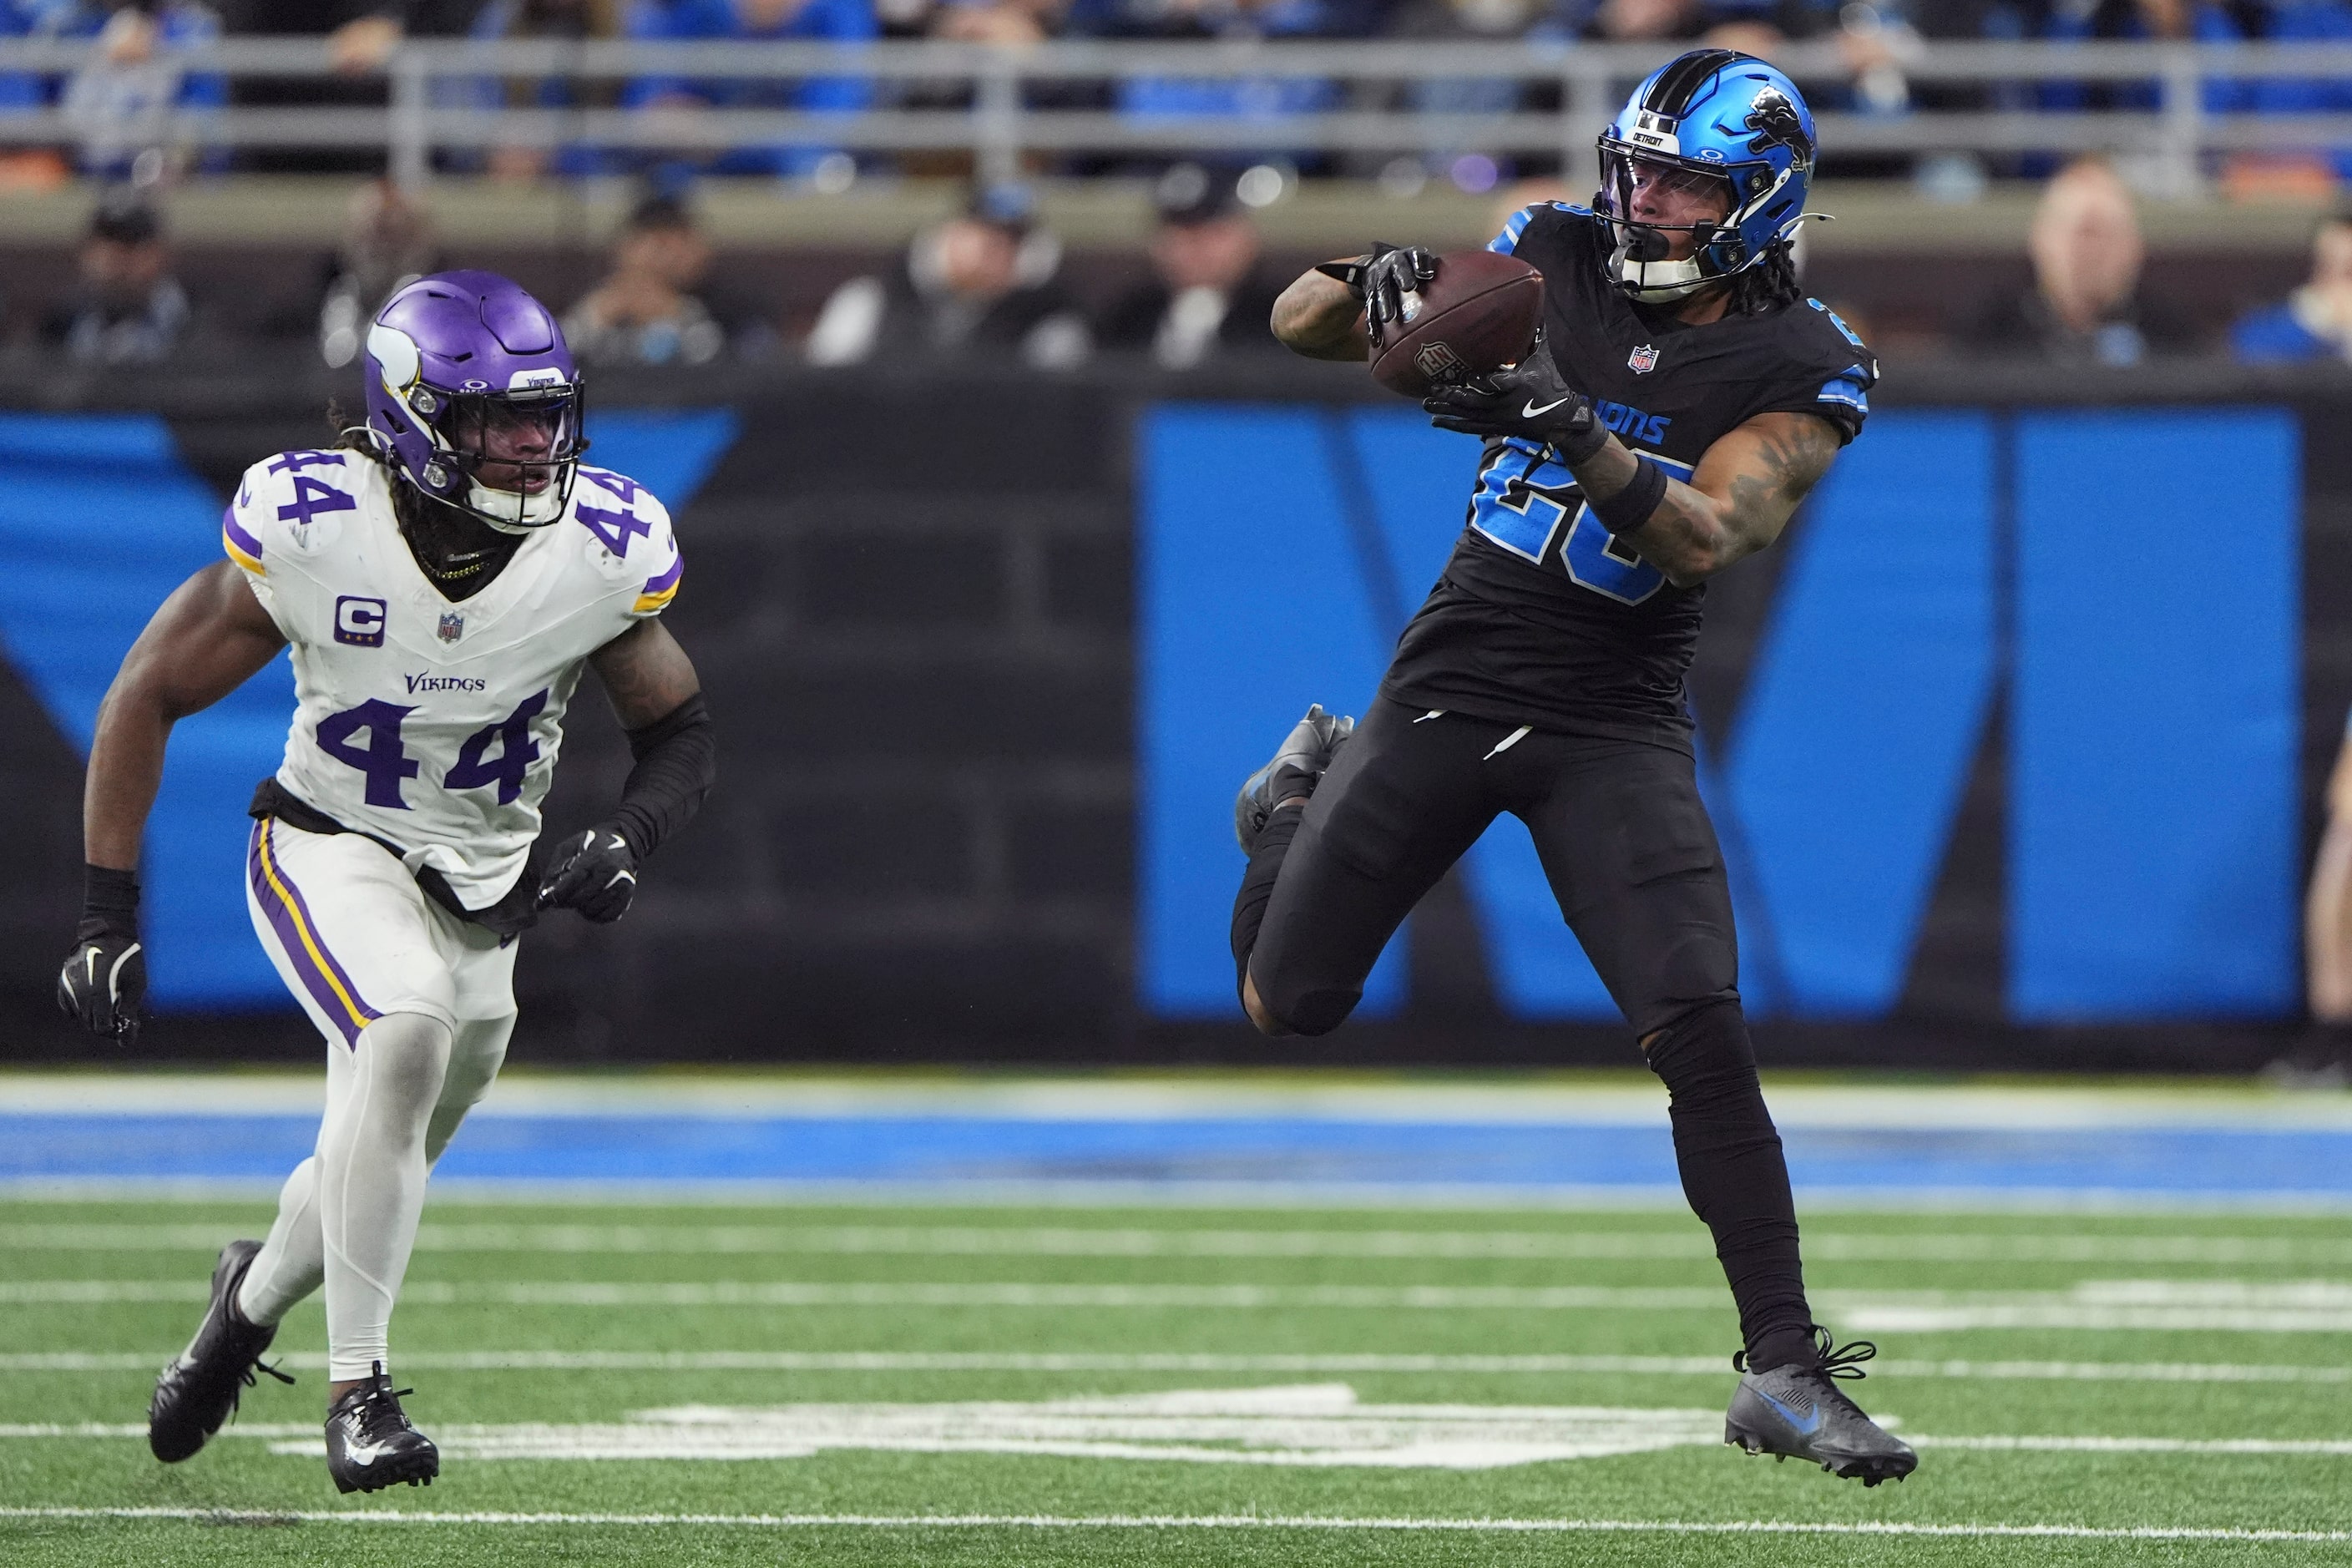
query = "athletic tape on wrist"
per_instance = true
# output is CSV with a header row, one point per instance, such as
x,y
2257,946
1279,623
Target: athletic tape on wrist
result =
x,y
1630,508
1582,440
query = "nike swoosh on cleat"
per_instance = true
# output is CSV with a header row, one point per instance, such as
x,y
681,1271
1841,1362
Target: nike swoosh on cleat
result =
x,y
1530,411
1806,1425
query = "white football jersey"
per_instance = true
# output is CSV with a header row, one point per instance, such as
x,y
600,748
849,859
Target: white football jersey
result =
x,y
430,724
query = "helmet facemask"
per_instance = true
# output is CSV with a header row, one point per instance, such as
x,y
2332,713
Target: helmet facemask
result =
x,y
1682,206
505,456
518,453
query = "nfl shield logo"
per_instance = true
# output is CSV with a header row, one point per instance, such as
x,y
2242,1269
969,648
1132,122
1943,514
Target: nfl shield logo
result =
x,y
453,626
1644,360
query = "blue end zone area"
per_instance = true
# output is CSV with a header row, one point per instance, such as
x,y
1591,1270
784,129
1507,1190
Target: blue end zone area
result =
x,y
100,519
1224,1152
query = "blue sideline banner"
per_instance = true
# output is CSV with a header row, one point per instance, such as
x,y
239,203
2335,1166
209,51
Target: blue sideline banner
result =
x,y
2144,634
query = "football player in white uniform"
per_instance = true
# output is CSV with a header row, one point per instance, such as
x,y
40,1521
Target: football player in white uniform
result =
x,y
441,579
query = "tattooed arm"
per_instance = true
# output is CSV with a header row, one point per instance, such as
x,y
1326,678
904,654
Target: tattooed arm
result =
x,y
1735,503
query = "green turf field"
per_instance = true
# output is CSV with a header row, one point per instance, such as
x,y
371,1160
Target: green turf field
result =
x,y
960,1385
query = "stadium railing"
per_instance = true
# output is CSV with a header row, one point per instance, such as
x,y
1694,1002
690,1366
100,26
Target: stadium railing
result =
x,y
978,98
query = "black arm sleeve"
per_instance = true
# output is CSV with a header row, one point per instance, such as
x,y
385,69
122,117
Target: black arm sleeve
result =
x,y
677,761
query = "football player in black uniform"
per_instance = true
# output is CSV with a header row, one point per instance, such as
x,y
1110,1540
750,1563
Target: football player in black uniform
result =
x,y
1685,398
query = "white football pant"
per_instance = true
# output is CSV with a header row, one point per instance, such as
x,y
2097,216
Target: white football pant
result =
x,y
417,1007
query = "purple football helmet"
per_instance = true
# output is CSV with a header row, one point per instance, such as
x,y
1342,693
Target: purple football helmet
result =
x,y
475,398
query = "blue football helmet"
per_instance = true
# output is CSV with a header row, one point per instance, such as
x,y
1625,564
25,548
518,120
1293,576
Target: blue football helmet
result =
x,y
1714,120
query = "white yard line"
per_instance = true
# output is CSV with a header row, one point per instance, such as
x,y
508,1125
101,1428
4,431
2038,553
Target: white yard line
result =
x,y
1711,1366
2330,1448
1179,1197
1089,1241
1198,1521
793,1293
2290,1306
2309,1306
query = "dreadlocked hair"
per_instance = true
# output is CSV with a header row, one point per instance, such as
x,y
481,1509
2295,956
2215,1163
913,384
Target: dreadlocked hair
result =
x,y
351,435
1768,285
449,542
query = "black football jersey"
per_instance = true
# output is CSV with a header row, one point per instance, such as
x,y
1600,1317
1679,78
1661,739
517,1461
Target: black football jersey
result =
x,y
1541,617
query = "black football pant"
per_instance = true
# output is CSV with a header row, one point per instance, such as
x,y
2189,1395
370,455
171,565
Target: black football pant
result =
x,y
1631,856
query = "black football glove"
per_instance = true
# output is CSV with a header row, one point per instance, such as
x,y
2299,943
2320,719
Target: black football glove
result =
x,y
1529,402
1380,279
104,980
594,872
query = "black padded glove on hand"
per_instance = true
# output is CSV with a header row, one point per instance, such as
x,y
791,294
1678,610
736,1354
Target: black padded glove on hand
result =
x,y
104,980
594,872
1529,402
1381,279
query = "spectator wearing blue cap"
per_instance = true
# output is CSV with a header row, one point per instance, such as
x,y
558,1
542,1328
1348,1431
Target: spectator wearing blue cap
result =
x,y
982,285
2315,321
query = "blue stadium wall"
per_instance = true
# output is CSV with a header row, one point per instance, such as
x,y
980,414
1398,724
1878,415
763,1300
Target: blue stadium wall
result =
x,y
2013,744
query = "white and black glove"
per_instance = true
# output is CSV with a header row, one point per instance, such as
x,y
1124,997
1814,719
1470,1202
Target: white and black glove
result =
x,y
1531,401
1380,279
594,872
104,980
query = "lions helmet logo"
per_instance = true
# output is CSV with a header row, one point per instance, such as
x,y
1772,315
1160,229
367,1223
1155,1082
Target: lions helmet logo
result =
x,y
1777,123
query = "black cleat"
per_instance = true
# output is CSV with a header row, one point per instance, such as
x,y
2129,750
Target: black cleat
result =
x,y
1305,755
1798,1412
369,1443
199,1390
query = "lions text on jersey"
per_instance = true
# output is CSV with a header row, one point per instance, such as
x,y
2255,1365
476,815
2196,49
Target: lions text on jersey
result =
x,y
432,725
1543,617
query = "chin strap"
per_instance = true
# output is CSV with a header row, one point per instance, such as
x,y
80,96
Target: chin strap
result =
x,y
536,511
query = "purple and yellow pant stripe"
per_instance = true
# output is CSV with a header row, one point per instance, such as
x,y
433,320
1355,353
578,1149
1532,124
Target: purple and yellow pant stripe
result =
x,y
242,547
298,933
659,591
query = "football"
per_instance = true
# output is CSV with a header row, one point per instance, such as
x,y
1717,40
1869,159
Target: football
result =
x,y
1479,313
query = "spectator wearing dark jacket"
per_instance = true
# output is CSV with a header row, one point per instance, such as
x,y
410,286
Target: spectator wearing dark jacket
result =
x,y
982,285
650,309
1208,298
126,308
2084,305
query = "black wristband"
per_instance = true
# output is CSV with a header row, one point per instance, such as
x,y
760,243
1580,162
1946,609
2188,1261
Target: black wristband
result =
x,y
109,903
1630,508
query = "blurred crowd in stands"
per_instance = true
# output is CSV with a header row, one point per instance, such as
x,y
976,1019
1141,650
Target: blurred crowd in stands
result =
x,y
987,285
990,281
115,101
984,284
